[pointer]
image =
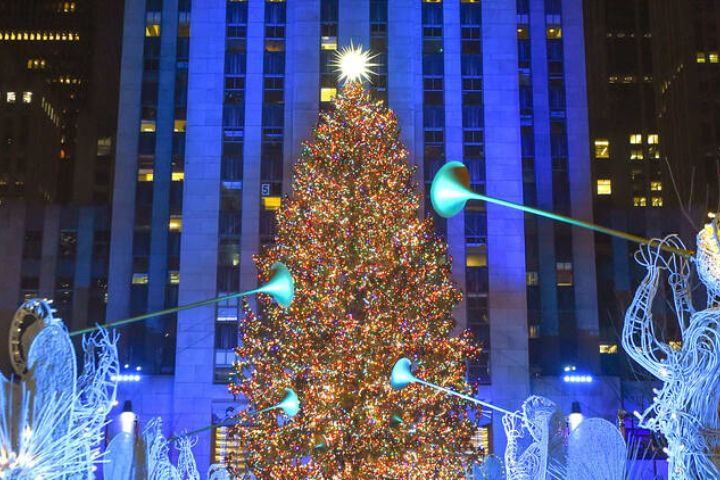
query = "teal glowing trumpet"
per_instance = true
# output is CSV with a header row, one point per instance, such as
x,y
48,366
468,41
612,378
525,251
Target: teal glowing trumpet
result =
x,y
402,376
290,405
450,191
280,287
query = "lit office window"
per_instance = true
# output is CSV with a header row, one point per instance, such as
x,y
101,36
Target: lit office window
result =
x,y
656,186
602,148
271,203
327,94
656,201
145,175
713,57
700,57
179,126
140,279
10,97
675,345
147,126
554,33
532,279
636,139
178,176
639,201
608,349
653,139
175,223
636,154
174,277
328,43
604,186
564,273
27,97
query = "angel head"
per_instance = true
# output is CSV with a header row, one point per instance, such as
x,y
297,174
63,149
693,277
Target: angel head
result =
x,y
707,257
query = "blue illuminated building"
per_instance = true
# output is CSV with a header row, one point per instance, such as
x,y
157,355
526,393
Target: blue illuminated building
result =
x,y
215,100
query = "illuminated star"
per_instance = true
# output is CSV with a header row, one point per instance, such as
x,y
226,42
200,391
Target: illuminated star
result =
x,y
354,64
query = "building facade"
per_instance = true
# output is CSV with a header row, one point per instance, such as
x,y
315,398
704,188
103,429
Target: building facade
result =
x,y
215,100
58,94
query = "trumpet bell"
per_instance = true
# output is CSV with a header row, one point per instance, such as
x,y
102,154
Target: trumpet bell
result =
x,y
281,286
290,404
401,375
450,189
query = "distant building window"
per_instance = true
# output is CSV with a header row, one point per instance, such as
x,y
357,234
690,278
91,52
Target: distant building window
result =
x,y
700,57
564,272
140,279
608,349
602,148
27,97
147,126
653,139
533,331
178,176
656,201
174,277
104,147
604,186
179,126
152,30
327,94
713,57
328,43
636,139
554,33
656,186
175,224
639,201
476,257
10,97
637,154
675,345
532,279
271,203
145,175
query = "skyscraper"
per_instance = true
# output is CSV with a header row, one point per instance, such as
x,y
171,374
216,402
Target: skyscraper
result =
x,y
57,125
215,102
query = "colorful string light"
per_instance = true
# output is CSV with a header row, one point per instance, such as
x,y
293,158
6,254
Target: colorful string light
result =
x,y
372,284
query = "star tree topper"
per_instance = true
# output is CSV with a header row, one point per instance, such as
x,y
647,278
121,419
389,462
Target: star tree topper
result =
x,y
354,64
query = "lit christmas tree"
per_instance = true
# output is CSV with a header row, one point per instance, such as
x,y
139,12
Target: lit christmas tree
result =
x,y
372,285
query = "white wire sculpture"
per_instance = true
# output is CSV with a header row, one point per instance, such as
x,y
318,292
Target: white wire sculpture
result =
x,y
535,441
685,410
218,471
51,423
596,451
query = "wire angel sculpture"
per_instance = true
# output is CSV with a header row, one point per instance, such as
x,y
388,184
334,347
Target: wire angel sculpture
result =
x,y
51,423
685,409
535,441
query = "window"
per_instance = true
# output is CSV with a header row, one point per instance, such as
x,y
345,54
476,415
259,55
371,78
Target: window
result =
x,y
104,147
271,203
675,345
608,348
564,271
602,148
178,176
327,94
140,279
145,175
175,223
636,139
10,97
604,187
656,186
476,257
653,139
179,126
639,202
328,43
147,126
532,279
713,57
656,201
636,154
152,30
174,277
554,33
700,57
27,97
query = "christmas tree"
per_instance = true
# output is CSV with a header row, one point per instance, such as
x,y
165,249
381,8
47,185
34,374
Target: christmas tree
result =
x,y
372,285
